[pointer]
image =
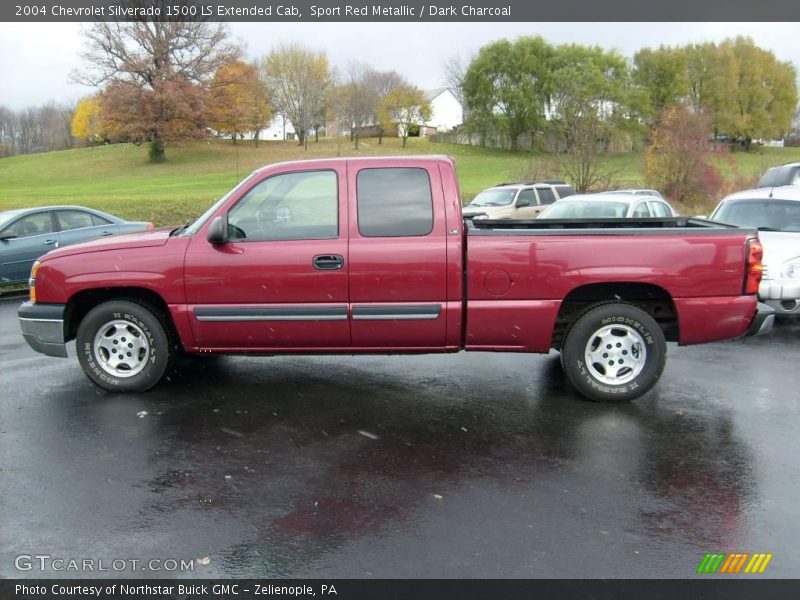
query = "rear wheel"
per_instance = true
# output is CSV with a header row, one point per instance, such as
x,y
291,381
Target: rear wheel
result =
x,y
614,353
123,346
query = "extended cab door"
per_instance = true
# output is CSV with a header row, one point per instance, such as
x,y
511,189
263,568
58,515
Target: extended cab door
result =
x,y
280,279
398,255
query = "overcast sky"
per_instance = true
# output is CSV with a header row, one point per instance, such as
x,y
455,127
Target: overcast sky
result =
x,y
36,58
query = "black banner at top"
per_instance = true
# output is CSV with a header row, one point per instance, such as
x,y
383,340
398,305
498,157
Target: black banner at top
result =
x,y
399,10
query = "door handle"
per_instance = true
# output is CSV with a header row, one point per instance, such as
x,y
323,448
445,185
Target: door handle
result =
x,y
328,262
49,242
108,233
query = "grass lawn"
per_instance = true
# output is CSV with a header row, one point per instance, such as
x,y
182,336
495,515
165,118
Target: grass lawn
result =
x,y
119,179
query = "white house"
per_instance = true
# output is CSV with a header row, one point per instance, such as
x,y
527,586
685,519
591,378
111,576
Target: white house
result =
x,y
280,128
446,111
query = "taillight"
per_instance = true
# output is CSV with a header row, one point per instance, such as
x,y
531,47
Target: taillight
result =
x,y
150,227
755,268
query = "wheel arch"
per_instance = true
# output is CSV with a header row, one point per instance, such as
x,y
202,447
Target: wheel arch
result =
x,y
80,303
653,299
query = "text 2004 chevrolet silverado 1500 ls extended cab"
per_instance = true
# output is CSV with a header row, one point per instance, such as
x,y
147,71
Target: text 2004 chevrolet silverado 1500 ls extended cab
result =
x,y
371,255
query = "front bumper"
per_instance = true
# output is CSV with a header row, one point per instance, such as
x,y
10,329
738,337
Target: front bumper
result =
x,y
42,327
781,294
763,321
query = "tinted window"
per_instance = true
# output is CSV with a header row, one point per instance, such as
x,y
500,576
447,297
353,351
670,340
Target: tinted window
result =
x,y
526,195
546,195
394,202
291,206
779,176
35,224
564,191
641,210
73,219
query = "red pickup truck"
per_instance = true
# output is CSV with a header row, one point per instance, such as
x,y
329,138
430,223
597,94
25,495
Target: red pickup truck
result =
x,y
371,255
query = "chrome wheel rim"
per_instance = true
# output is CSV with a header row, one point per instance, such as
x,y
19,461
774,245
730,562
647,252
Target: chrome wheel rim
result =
x,y
121,348
615,354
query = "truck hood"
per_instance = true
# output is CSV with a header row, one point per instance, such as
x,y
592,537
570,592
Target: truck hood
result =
x,y
471,211
143,239
779,246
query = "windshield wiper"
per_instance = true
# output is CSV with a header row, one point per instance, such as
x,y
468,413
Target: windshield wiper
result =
x,y
768,229
179,230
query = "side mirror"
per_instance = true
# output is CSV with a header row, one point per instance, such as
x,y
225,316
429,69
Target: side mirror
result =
x,y
523,203
218,231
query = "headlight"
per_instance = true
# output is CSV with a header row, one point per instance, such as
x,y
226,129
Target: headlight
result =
x,y
791,269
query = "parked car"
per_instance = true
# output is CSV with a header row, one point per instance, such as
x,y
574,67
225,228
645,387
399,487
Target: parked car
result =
x,y
605,205
788,174
28,233
636,192
516,200
376,257
775,212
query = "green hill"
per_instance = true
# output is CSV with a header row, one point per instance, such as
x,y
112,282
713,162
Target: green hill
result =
x,y
119,179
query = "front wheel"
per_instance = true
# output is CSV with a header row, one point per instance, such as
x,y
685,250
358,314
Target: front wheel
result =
x,y
123,346
614,353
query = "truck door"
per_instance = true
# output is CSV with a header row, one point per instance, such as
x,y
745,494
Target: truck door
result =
x,y
398,256
280,279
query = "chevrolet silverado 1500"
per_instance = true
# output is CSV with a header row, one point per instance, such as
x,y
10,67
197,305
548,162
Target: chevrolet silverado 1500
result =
x,y
372,255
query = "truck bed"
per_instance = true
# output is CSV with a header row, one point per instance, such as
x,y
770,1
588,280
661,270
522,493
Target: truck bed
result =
x,y
627,226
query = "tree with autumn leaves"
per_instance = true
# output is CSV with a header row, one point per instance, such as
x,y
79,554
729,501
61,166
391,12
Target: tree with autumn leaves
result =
x,y
239,101
155,76
87,122
403,107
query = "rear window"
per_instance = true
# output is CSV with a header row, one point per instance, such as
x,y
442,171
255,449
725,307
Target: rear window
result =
x,y
564,191
546,195
779,176
763,214
394,202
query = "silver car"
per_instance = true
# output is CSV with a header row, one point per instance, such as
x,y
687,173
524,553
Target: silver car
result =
x,y
775,212
621,205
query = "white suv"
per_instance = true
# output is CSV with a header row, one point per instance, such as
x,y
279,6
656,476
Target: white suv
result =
x,y
516,200
775,212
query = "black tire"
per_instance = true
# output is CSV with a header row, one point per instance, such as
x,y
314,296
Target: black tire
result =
x,y
600,342
141,334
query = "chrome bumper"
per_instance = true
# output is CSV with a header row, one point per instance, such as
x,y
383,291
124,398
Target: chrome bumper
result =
x,y
763,321
42,327
779,289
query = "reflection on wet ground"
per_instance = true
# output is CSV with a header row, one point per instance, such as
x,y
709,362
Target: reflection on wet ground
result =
x,y
474,465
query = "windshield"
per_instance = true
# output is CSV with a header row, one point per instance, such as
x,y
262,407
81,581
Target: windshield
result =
x,y
588,209
764,214
9,215
195,227
494,198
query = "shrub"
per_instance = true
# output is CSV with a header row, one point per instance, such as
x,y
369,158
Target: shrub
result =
x,y
678,160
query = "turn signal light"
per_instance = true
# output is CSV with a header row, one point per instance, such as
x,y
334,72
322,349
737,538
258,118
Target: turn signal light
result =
x,y
755,268
32,281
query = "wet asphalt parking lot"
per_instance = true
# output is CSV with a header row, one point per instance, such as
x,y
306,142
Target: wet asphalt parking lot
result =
x,y
468,465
